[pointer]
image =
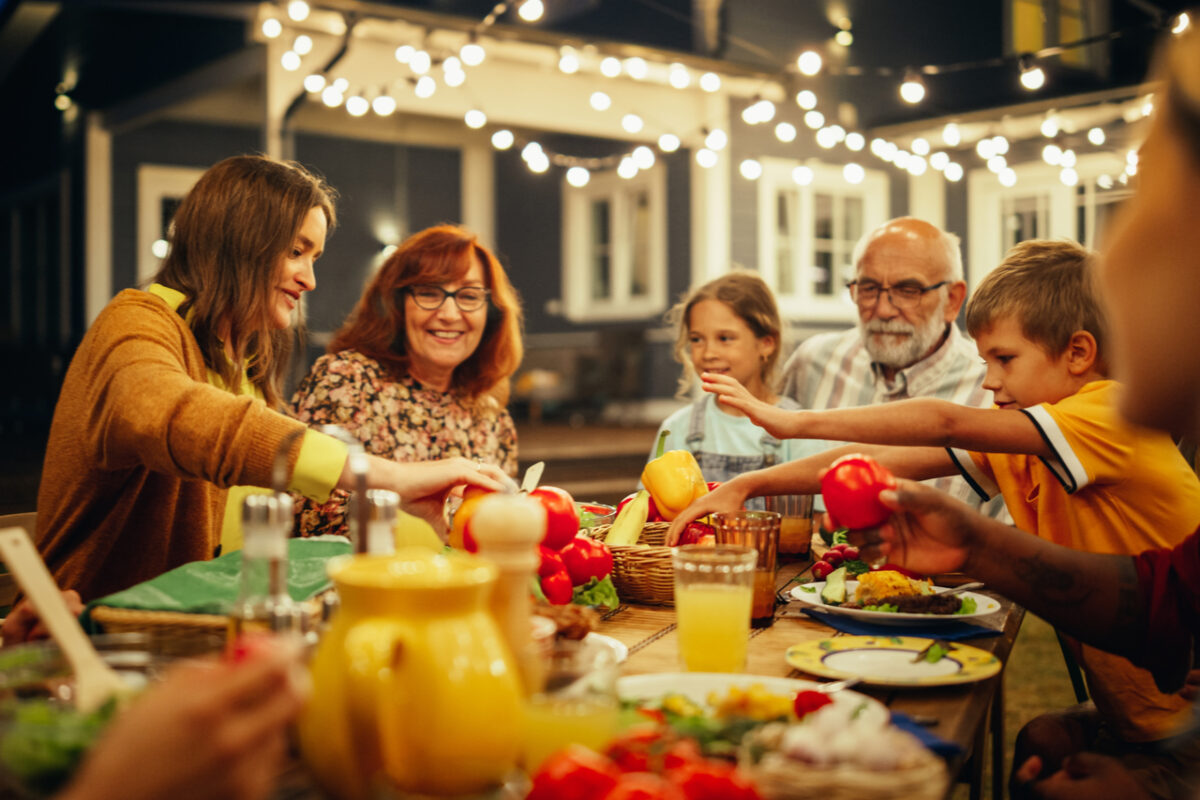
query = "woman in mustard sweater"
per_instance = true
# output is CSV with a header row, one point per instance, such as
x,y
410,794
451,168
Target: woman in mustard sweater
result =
x,y
171,396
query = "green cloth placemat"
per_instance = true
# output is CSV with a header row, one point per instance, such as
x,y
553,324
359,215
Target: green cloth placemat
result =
x,y
211,587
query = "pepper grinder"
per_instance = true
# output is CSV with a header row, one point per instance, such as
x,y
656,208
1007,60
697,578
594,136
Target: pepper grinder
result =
x,y
508,529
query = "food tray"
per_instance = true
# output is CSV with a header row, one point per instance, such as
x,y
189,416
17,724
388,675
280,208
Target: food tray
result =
x,y
642,573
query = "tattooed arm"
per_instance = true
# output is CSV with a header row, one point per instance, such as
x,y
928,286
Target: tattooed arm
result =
x,y
1095,598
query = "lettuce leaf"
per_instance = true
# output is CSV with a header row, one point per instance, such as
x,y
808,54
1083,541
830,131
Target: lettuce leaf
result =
x,y
597,593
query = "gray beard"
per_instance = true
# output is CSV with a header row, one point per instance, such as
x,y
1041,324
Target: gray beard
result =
x,y
900,353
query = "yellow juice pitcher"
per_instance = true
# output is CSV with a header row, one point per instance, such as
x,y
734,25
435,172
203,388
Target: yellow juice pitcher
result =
x,y
414,688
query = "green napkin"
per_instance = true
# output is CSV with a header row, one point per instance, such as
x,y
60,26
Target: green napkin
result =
x,y
211,587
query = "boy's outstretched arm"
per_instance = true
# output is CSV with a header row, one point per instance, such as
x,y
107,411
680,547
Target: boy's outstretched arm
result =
x,y
920,422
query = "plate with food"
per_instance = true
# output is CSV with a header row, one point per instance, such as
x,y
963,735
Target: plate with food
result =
x,y
893,660
890,598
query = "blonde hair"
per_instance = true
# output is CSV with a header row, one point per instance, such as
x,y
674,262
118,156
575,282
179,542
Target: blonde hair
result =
x,y
748,296
1048,287
227,240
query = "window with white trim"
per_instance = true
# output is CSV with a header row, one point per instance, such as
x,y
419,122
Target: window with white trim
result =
x,y
159,192
614,246
807,234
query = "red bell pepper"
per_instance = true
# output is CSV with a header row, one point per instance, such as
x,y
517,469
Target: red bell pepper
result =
x,y
851,488
586,558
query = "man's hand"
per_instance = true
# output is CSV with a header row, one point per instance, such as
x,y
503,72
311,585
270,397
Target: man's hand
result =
x,y
23,623
1084,776
209,730
729,496
928,532
778,422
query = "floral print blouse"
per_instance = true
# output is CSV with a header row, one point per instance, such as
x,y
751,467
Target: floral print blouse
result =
x,y
397,419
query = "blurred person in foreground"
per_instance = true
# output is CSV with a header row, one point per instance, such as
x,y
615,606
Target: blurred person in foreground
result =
x,y
420,370
1145,607
171,397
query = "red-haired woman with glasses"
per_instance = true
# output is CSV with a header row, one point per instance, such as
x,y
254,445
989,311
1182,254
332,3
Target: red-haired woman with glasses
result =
x,y
421,367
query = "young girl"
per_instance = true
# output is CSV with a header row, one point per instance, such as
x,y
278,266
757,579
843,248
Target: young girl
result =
x,y
730,326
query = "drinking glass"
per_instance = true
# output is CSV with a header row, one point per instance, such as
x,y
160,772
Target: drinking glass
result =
x,y
713,589
795,522
575,703
760,530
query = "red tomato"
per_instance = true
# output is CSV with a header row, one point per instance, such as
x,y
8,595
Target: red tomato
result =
x,y
833,558
644,786
838,547
550,563
821,570
712,780
562,518
651,516
557,587
683,752
587,558
809,701
851,489
574,773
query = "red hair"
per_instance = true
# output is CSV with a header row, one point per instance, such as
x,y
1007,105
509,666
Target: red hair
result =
x,y
438,255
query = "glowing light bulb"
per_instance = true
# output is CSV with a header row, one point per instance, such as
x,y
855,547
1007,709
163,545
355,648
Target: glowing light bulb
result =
x,y
806,99
159,248
706,158
331,96
668,143
568,61
900,158
632,123
678,76
951,135
298,10
953,172
383,105
600,101
1032,78
1069,176
912,91
643,156
802,176
710,82
785,132
1068,158
916,166
855,141
809,63
578,177
404,53
1104,181
1096,136
271,27
531,150
814,119
475,118
425,87
1050,127
985,149
314,83
531,10
341,84
844,38
750,169
357,105
610,67
1052,154
454,78
303,44
999,145
503,139
853,173
997,163
920,146
627,169
421,62
472,54
939,160
1007,177
716,139
539,164
290,61
636,68
826,138
1182,23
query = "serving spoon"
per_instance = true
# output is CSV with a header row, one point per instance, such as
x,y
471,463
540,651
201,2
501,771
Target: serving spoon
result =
x,y
95,681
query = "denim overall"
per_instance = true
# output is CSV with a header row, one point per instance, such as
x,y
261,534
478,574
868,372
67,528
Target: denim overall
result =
x,y
721,466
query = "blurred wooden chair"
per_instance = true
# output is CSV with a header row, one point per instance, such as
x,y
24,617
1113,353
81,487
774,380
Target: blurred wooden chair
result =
x,y
8,584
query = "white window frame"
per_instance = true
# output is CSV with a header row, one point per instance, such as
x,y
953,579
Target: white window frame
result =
x,y
155,183
986,196
578,304
827,179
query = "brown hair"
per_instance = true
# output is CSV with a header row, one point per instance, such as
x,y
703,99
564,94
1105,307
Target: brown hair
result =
x,y
1048,286
748,296
1179,63
227,239
441,254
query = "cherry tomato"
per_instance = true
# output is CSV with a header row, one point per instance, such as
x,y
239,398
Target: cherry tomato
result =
x,y
833,558
586,558
557,587
850,553
809,701
851,490
574,773
821,570
839,547
562,517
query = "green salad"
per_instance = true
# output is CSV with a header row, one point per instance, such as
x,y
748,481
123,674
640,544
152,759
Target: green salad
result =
x,y
44,740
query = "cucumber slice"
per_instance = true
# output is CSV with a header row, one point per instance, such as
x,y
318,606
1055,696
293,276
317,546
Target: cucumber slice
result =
x,y
834,591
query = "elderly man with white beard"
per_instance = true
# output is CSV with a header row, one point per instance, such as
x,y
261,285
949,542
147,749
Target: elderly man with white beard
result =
x,y
909,288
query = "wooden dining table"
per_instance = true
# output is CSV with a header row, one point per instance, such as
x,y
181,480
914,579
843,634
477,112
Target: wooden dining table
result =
x,y
963,714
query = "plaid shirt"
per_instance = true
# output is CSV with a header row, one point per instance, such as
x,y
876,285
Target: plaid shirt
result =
x,y
833,370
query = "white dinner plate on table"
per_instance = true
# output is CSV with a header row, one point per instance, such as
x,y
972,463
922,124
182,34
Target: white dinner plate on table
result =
x,y
810,595
889,661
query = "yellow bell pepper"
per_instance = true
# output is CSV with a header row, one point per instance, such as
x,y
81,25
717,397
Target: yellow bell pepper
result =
x,y
673,480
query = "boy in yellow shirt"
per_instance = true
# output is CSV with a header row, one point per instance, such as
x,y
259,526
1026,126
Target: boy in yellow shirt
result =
x,y
1068,466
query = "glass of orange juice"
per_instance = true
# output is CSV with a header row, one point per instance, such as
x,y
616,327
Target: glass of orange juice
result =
x,y
714,587
576,702
760,530
795,522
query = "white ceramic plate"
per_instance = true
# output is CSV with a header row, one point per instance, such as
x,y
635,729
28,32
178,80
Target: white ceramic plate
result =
x,y
810,595
620,651
696,686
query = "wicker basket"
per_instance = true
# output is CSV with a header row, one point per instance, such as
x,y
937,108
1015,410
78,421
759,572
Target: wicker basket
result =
x,y
177,634
789,780
642,573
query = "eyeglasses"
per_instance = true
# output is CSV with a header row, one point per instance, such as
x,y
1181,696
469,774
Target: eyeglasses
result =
x,y
430,298
905,294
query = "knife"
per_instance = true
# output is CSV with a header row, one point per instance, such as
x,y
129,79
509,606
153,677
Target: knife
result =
x,y
532,476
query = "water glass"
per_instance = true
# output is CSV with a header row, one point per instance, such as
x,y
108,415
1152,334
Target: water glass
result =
x,y
714,586
575,701
795,522
760,530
